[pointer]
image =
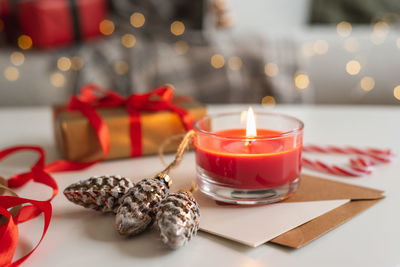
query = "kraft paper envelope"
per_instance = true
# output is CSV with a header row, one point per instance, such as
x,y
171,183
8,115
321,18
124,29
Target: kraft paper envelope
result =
x,y
318,206
311,189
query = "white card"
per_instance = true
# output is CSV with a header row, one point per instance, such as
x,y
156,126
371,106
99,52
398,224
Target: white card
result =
x,y
253,226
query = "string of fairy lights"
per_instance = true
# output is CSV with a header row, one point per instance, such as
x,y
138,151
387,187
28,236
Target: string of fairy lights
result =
x,y
301,79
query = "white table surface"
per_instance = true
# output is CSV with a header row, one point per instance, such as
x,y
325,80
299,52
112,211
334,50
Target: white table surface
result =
x,y
79,237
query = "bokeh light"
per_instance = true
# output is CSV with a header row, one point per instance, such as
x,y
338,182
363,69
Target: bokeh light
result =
x,y
17,58
391,18
380,30
268,101
320,47
220,4
381,27
128,40
217,61
235,63
57,79
353,67
307,49
106,27
271,69
351,45
121,67
181,47
137,20
76,63
301,80
344,28
177,28
377,39
367,83
11,74
25,42
64,63
396,92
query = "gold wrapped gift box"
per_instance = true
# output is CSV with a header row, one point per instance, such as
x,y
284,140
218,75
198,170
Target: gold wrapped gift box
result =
x,y
77,139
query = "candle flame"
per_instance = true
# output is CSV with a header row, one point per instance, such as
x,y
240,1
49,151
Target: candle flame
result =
x,y
251,130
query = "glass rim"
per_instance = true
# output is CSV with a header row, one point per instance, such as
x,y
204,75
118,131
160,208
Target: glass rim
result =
x,y
281,135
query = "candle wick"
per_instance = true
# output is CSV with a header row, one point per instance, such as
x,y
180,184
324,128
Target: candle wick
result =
x,y
248,142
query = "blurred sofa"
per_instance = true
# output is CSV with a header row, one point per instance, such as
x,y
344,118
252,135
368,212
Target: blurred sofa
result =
x,y
276,21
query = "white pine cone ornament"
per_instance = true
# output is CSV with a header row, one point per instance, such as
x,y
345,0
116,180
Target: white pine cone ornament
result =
x,y
99,192
178,218
136,212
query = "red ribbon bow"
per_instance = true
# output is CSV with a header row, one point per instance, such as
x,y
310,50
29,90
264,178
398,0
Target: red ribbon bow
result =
x,y
159,99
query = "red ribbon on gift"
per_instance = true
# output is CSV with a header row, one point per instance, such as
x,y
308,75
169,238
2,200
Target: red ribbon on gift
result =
x,y
157,100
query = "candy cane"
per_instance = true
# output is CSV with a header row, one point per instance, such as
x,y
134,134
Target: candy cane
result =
x,y
359,166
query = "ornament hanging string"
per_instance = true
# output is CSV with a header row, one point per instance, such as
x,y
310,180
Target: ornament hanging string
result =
x,y
183,146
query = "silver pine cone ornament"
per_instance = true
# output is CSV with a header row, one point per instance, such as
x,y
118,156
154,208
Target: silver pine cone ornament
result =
x,y
178,218
99,192
137,210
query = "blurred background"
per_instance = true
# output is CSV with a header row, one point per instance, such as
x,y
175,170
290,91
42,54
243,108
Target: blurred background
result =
x,y
218,51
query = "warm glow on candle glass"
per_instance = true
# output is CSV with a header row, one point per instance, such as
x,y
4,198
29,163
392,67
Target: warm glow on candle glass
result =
x,y
251,130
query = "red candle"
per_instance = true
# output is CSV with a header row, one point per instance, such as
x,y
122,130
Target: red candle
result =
x,y
248,165
257,164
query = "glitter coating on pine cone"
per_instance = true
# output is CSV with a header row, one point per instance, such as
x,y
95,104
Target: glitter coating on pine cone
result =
x,y
99,192
178,218
136,212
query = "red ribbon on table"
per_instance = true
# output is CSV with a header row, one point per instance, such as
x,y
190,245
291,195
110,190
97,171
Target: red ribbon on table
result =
x,y
39,173
158,100
87,102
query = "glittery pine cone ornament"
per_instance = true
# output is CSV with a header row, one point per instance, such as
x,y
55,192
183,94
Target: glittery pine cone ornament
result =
x,y
178,218
99,192
136,212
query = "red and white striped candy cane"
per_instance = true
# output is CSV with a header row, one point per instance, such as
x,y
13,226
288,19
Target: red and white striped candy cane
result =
x,y
360,165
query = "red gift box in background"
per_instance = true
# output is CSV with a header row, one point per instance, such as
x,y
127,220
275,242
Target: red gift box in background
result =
x,y
5,8
53,23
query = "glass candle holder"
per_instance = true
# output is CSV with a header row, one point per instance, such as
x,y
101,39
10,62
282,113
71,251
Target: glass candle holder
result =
x,y
237,168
